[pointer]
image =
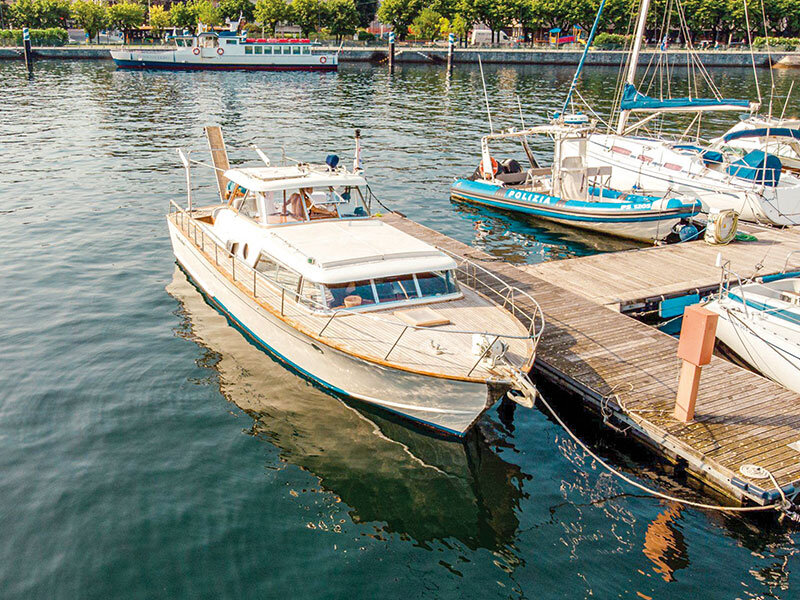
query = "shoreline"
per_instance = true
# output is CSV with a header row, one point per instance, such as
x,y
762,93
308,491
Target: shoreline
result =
x,y
438,55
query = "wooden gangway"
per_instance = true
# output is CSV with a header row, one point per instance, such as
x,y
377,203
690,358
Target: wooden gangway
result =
x,y
628,371
633,278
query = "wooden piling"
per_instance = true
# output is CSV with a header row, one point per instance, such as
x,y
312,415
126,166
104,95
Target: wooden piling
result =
x,y
391,49
26,44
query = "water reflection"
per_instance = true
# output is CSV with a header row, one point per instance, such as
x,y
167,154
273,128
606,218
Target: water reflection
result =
x,y
415,485
664,544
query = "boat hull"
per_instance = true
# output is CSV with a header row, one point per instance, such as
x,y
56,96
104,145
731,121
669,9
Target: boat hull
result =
x,y
627,220
449,406
762,341
665,170
173,61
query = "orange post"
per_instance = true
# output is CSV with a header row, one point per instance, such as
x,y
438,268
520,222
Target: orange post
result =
x,y
695,347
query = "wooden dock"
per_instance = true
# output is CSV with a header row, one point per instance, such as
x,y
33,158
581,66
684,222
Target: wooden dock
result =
x,y
628,371
637,278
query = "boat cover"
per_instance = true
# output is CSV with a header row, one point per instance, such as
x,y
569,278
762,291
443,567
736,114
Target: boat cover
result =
x,y
763,132
759,167
632,99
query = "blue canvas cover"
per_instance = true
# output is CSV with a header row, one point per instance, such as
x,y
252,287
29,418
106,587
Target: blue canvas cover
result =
x,y
758,167
763,132
635,100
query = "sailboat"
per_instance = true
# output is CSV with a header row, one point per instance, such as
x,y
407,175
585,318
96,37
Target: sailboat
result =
x,y
753,185
777,136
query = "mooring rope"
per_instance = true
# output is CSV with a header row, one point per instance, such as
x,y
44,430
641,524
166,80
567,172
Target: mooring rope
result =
x,y
648,490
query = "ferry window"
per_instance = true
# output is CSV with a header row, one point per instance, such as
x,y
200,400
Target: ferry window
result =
x,y
287,50
306,50
248,49
295,49
258,49
436,283
267,49
231,42
349,295
395,289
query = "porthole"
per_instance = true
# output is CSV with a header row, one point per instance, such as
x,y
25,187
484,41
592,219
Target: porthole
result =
x,y
244,252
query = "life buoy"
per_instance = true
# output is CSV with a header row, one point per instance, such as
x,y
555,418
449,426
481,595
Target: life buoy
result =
x,y
220,51
196,51
323,59
495,167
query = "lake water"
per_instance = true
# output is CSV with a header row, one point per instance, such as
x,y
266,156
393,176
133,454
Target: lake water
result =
x,y
147,450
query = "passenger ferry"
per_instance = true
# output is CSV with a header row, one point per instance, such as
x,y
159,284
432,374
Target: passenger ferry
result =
x,y
293,257
229,50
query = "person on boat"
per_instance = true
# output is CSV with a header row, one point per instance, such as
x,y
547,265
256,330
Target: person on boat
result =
x,y
293,207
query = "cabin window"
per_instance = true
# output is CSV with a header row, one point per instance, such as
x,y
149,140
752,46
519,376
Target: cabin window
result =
x,y
287,50
249,207
248,49
396,289
267,266
258,49
267,49
349,295
437,283
310,292
231,42
306,50
287,278
295,49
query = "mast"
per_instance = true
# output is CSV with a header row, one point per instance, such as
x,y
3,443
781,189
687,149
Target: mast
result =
x,y
634,59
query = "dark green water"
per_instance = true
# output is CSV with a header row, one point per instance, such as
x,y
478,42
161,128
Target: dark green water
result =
x,y
148,451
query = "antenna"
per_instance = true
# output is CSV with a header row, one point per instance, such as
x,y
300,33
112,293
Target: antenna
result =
x,y
485,95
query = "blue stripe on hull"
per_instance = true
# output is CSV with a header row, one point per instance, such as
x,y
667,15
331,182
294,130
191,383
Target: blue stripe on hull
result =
x,y
172,66
215,302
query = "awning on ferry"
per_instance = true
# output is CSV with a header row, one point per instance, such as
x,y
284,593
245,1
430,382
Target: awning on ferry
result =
x,y
763,132
632,99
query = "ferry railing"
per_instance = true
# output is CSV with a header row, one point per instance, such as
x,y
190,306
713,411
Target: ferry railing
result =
x,y
244,274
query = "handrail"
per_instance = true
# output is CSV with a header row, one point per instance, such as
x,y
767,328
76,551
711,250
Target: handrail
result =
x,y
245,272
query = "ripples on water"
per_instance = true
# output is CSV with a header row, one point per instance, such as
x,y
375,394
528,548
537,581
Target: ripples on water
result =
x,y
147,450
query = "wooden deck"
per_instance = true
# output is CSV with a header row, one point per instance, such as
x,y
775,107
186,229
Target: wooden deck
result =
x,y
629,370
625,279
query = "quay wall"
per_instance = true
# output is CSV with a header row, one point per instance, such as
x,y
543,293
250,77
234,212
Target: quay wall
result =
x,y
437,55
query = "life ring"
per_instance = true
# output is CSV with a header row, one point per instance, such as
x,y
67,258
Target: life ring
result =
x,y
323,59
220,51
495,168
196,51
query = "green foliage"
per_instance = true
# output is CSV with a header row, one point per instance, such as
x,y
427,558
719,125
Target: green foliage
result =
x,y
426,24
271,12
460,26
779,43
611,41
159,18
183,16
308,15
54,36
342,17
400,14
39,14
366,11
125,15
365,36
231,9
90,15
207,13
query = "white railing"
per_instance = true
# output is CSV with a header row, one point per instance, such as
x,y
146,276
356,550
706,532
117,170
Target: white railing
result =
x,y
286,299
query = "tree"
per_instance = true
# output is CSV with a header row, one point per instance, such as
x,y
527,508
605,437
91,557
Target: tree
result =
x,y
426,24
91,15
400,14
125,15
207,13
366,11
39,14
342,17
231,9
183,16
307,14
271,12
159,18
460,26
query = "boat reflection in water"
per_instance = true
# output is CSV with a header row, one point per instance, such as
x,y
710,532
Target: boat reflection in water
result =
x,y
415,484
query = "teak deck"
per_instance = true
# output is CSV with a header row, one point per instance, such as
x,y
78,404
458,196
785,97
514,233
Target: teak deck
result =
x,y
629,370
623,279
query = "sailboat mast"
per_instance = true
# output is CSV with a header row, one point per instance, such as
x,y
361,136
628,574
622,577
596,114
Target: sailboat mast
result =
x,y
634,59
